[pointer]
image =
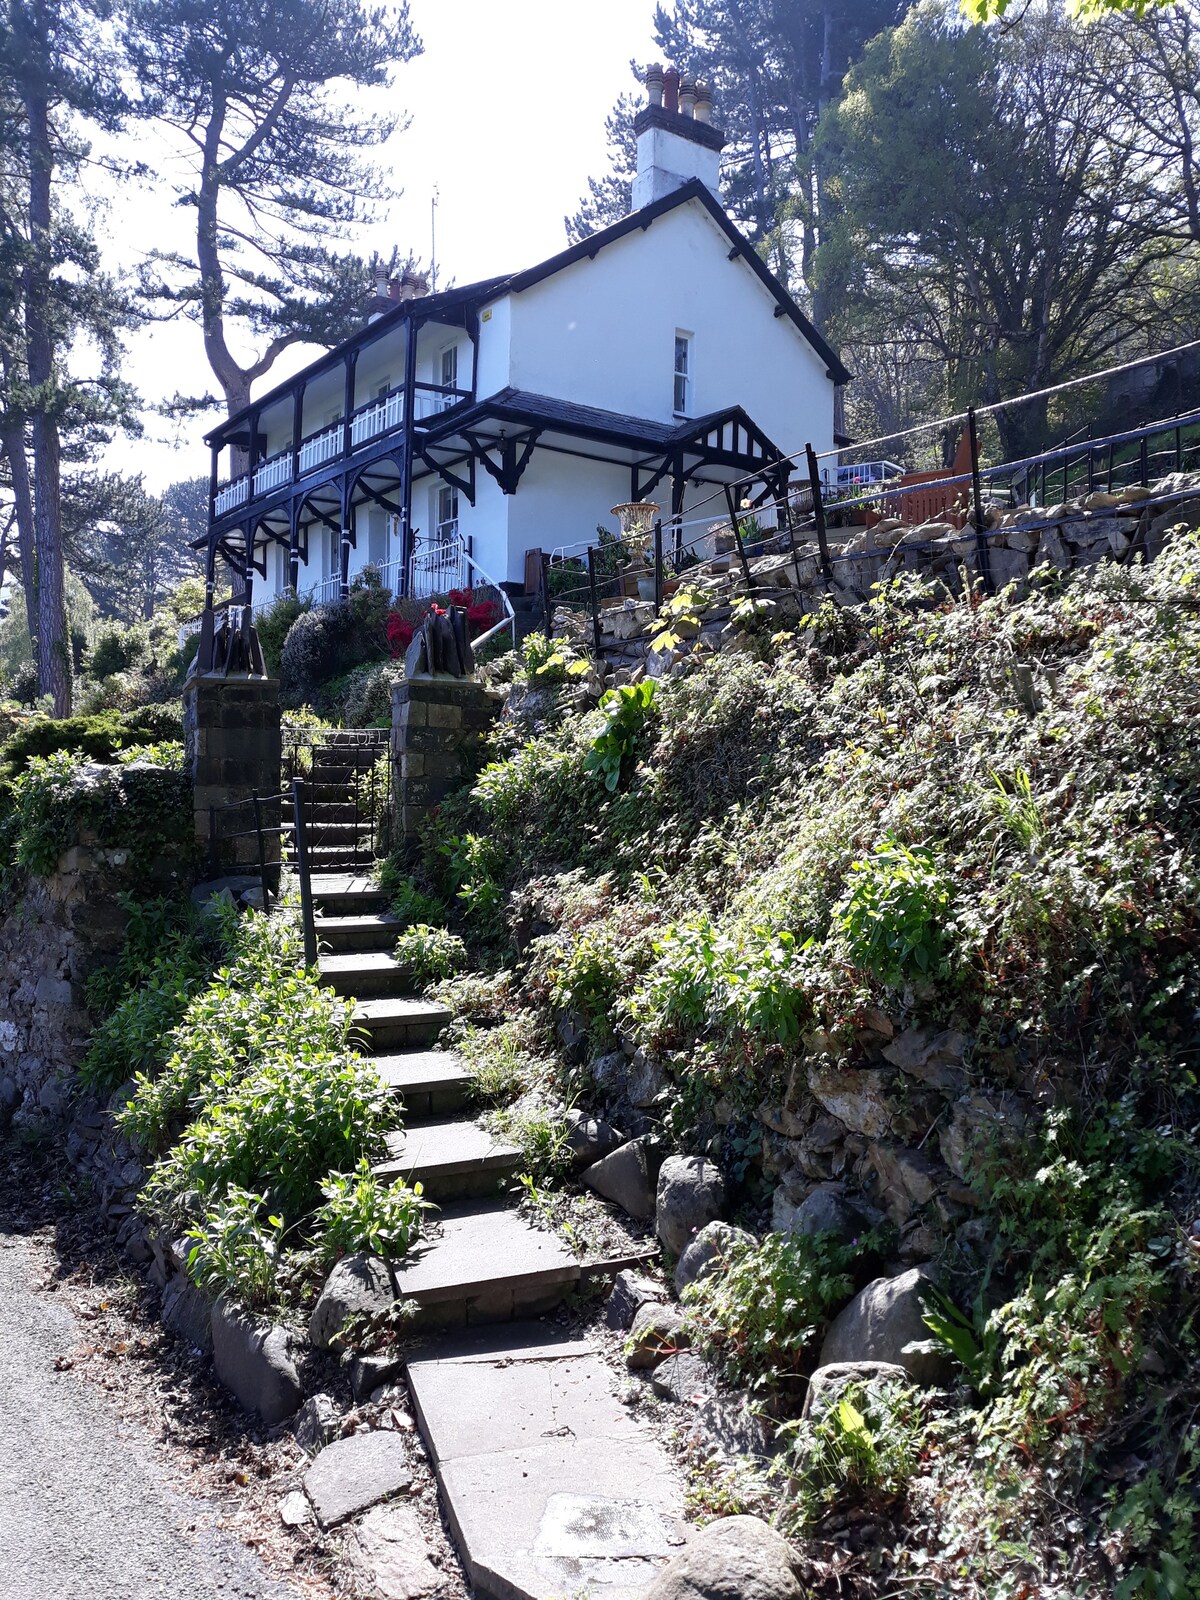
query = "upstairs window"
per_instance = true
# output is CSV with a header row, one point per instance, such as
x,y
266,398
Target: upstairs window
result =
x,y
683,374
449,375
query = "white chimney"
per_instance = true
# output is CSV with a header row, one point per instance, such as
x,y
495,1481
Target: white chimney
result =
x,y
676,141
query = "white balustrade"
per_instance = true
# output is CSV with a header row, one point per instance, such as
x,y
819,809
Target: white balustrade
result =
x,y
321,447
233,494
384,416
273,472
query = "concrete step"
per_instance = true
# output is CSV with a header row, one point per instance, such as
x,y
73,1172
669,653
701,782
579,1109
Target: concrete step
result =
x,y
365,974
550,1486
394,1024
340,858
453,1160
483,1262
432,1083
347,894
349,832
374,931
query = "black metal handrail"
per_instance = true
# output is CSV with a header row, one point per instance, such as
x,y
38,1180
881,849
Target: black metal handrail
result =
x,y
259,832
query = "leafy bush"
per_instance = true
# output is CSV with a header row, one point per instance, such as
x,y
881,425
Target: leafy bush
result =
x,y
361,1214
273,626
140,801
330,641
426,953
234,1248
625,711
760,1313
474,862
894,916
264,1002
116,650
278,1130
866,1447
408,904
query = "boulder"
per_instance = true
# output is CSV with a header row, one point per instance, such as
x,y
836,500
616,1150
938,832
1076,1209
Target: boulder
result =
x,y
858,1097
252,1359
706,1252
630,1292
907,1179
589,1138
657,1332
387,1556
610,1074
683,1377
978,1123
316,1423
188,1313
881,1322
824,1209
646,1081
626,1177
359,1285
935,1056
737,1558
828,1383
691,1194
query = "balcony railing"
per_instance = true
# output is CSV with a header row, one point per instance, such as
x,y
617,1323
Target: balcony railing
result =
x,y
232,495
320,447
273,472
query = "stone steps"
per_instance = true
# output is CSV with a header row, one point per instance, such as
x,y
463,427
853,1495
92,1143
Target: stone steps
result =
x,y
452,1160
365,974
377,930
431,1083
550,1486
481,1261
391,1024
347,894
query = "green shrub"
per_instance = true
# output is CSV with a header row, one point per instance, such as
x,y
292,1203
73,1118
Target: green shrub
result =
x,y
329,641
625,712
474,862
273,626
135,1037
235,1249
895,916
276,1130
760,1313
264,1002
426,953
866,1447
362,1214
116,649
408,904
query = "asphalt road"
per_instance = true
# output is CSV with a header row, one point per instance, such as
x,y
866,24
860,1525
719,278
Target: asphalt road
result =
x,y
87,1510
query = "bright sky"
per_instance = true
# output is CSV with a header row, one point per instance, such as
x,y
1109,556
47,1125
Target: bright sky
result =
x,y
507,105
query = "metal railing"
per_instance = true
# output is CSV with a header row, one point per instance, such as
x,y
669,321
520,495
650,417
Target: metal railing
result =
x,y
295,794
358,801
458,566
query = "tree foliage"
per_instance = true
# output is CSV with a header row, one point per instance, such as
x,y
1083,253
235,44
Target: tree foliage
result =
x,y
278,166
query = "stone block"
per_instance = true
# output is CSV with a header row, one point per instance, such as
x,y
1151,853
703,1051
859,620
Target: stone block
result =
x,y
252,1360
444,716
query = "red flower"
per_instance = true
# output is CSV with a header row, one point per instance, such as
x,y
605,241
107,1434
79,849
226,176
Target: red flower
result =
x,y
399,634
482,615
460,597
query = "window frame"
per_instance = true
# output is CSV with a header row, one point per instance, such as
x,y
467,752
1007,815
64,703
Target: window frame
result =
x,y
684,374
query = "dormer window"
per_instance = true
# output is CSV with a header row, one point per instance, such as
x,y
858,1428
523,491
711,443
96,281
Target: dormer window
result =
x,y
683,374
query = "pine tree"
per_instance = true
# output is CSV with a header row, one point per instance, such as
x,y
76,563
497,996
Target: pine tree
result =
x,y
611,197
261,99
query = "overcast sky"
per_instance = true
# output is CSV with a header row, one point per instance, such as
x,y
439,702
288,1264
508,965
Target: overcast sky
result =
x,y
507,104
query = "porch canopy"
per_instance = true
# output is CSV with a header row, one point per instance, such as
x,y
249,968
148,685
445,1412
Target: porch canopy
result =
x,y
501,434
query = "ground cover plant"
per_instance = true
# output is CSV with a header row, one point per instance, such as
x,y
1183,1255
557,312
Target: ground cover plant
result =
x,y
817,857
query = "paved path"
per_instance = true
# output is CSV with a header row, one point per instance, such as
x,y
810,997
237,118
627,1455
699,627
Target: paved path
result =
x,y
86,1510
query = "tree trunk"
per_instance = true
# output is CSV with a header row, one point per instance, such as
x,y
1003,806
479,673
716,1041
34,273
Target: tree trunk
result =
x,y
12,441
53,656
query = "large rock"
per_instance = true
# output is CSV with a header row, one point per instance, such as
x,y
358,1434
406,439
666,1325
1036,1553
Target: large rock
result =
x,y
627,1178
187,1311
253,1360
316,1423
707,1251
935,1056
978,1124
647,1079
589,1139
657,1332
351,1474
738,1558
610,1074
824,1209
358,1286
859,1097
907,1179
630,1292
828,1384
387,1556
881,1322
691,1194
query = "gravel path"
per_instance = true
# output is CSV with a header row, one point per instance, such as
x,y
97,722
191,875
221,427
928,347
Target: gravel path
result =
x,y
87,1511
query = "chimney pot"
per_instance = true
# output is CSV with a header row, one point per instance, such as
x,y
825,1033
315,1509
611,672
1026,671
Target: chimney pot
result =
x,y
380,285
703,103
687,97
671,89
393,289
654,84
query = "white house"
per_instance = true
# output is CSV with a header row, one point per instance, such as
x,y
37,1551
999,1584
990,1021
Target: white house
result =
x,y
658,359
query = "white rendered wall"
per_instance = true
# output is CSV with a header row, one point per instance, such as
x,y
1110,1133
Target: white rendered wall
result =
x,y
495,331
602,333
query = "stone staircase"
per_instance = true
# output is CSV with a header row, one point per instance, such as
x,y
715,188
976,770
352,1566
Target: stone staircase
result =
x,y
338,794
549,1486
